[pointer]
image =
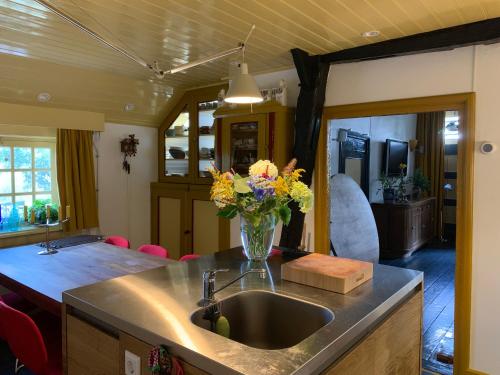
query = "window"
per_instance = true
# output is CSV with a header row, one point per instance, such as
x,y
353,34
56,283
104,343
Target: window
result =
x,y
27,173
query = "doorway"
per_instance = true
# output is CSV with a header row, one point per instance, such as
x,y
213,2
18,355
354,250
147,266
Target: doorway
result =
x,y
463,106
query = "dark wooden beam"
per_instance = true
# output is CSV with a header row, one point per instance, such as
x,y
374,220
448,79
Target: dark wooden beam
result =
x,y
481,32
313,75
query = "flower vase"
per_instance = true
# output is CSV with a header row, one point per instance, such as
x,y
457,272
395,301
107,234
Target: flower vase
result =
x,y
257,235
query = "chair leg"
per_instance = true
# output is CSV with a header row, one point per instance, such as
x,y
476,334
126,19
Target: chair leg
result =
x,y
19,366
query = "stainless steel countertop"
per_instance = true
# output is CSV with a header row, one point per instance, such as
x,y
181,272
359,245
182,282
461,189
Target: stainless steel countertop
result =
x,y
155,306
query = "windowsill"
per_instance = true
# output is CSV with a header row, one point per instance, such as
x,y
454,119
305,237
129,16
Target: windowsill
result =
x,y
27,230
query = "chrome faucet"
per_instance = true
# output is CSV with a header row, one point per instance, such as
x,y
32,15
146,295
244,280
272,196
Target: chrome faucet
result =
x,y
209,283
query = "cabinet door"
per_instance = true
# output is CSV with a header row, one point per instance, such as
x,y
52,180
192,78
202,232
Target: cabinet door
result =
x,y
90,351
244,142
171,218
210,233
207,142
177,146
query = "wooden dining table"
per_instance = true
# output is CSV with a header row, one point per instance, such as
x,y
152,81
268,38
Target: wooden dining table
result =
x,y
42,279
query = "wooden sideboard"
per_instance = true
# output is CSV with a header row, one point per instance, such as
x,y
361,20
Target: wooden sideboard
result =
x,y
404,227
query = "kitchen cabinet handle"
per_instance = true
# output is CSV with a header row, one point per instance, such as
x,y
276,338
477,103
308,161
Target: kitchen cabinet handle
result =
x,y
187,231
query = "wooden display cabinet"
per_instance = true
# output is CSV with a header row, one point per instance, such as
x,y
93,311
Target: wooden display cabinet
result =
x,y
194,136
262,131
188,139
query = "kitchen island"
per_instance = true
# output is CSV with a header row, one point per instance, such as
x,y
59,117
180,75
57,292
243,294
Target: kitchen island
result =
x,y
376,327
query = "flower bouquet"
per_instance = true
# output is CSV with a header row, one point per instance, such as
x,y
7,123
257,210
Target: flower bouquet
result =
x,y
262,200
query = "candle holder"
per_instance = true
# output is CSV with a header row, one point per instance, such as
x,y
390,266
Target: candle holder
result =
x,y
47,226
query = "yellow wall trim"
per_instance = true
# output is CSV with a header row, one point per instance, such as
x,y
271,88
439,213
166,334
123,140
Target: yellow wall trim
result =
x,y
465,104
29,115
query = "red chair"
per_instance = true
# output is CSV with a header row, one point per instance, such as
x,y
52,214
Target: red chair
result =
x,y
188,257
26,342
154,250
118,241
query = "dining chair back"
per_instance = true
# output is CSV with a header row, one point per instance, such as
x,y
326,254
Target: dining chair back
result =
x,y
118,241
188,257
155,250
24,339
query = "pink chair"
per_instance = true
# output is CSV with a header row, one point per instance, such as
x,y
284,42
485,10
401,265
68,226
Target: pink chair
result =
x,y
26,342
188,257
275,252
154,250
118,241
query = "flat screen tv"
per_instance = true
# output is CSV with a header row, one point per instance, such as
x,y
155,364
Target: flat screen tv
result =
x,y
396,152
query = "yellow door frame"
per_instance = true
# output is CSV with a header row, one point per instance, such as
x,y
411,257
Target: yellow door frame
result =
x,y
465,104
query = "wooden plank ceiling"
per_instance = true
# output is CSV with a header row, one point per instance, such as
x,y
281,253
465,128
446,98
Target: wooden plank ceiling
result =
x,y
39,52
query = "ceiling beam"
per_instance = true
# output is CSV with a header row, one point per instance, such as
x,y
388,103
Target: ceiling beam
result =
x,y
481,32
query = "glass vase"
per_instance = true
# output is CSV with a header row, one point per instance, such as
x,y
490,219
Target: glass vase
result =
x,y
257,236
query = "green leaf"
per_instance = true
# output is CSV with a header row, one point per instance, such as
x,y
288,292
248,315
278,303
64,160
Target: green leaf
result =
x,y
285,214
267,205
241,184
228,212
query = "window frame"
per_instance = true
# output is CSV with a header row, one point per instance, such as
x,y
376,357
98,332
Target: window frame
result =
x,y
31,143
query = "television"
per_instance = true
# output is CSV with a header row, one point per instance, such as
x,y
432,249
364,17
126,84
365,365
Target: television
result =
x,y
396,152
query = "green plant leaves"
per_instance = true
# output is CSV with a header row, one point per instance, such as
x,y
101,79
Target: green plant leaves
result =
x,y
285,214
228,212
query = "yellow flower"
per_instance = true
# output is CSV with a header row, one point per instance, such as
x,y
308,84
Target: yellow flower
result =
x,y
222,191
302,195
280,186
263,168
296,174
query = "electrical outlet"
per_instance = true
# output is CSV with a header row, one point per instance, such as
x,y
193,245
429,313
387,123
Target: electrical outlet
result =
x,y
132,364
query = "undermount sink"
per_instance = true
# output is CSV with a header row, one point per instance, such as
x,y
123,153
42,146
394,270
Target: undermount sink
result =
x,y
267,320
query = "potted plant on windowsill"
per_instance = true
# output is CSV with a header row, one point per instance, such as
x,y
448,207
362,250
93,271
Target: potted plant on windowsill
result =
x,y
261,200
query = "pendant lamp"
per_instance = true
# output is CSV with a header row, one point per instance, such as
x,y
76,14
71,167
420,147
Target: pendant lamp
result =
x,y
243,89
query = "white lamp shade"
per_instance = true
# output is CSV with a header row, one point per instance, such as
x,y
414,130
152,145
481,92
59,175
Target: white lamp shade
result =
x,y
243,88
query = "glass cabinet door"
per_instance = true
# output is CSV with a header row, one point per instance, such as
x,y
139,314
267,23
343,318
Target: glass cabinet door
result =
x,y
244,138
177,146
206,137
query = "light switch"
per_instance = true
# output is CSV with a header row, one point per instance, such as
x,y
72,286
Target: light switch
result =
x,y
132,364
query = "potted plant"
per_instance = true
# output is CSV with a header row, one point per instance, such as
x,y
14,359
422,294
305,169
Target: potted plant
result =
x,y
261,200
387,187
420,183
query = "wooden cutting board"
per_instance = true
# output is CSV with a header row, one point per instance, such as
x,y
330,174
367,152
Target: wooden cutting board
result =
x,y
340,275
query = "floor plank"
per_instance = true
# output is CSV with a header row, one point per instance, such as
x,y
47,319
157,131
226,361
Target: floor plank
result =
x,y
438,265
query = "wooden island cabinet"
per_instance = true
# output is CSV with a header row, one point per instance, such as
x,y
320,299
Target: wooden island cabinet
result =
x,y
393,346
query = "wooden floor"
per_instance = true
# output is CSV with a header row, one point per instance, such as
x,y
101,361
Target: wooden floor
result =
x,y
438,265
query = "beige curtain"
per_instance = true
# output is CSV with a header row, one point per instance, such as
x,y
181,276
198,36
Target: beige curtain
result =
x,y
75,177
430,158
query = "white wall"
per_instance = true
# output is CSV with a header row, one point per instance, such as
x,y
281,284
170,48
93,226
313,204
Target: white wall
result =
x,y
462,70
124,200
378,128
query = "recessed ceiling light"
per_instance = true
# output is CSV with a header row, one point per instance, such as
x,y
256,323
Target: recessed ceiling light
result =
x,y
371,34
129,107
43,97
